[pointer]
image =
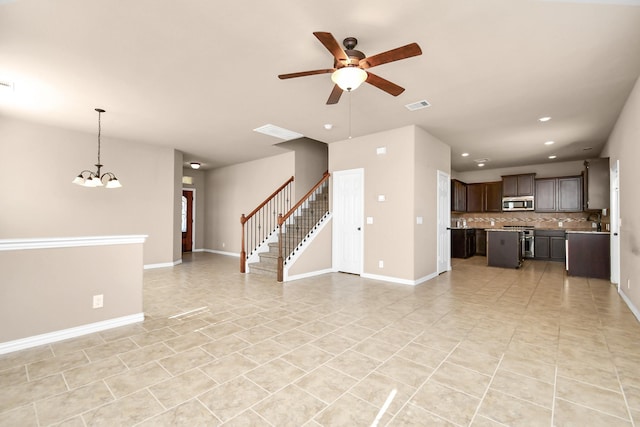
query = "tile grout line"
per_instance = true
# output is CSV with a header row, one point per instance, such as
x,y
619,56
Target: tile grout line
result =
x,y
423,383
487,389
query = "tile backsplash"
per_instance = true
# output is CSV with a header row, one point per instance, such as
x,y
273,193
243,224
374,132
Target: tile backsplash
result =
x,y
550,220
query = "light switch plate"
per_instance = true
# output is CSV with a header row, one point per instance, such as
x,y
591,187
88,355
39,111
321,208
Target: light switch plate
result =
x,y
369,220
381,198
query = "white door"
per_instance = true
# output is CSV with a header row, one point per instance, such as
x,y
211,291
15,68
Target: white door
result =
x,y
444,222
615,223
348,188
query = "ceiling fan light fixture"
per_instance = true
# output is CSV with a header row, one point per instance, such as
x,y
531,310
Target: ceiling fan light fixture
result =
x,y
349,78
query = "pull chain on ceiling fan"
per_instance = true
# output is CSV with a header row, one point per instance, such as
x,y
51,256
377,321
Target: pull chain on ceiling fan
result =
x,y
351,67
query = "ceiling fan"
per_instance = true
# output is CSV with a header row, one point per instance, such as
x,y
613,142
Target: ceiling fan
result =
x,y
350,66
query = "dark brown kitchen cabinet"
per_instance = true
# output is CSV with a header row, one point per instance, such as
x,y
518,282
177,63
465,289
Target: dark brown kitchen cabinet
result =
x,y
484,197
463,242
458,196
588,255
549,245
481,241
518,185
570,194
562,194
596,184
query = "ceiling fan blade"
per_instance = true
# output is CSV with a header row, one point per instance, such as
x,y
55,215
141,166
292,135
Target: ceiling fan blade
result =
x,y
332,46
306,73
335,95
391,55
385,85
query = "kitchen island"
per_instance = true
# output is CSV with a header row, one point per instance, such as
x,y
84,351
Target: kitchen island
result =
x,y
504,248
588,254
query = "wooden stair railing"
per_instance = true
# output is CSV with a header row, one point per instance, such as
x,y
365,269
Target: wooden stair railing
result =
x,y
293,235
263,220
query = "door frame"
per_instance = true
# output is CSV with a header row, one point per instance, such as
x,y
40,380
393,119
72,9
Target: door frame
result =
x,y
444,223
336,236
193,218
614,219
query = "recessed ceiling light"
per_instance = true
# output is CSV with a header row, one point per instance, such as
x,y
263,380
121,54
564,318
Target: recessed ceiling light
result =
x,y
480,165
553,156
544,119
328,126
549,143
465,154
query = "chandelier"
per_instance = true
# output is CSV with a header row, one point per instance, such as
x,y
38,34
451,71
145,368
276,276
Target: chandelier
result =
x,y
87,178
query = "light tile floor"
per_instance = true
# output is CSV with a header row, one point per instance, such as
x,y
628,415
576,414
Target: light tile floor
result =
x,y
476,346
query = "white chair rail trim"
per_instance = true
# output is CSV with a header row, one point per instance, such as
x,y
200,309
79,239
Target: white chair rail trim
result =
x,y
69,242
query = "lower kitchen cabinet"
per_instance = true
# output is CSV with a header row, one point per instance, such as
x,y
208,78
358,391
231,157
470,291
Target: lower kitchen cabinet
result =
x,y
549,245
463,242
504,249
481,241
588,254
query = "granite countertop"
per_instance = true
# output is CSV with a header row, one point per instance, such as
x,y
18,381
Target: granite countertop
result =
x,y
588,232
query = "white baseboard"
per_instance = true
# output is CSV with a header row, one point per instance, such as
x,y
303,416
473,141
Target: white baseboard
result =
x,y
397,280
632,307
162,264
37,340
213,251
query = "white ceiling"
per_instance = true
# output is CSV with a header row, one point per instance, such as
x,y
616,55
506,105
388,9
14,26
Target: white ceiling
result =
x,y
199,75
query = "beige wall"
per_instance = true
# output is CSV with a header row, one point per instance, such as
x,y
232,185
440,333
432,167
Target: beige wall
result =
x,y
49,290
38,163
317,255
406,176
547,170
311,161
238,189
200,202
624,146
177,205
431,155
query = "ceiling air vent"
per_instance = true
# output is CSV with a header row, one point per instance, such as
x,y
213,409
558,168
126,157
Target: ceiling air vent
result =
x,y
6,85
418,105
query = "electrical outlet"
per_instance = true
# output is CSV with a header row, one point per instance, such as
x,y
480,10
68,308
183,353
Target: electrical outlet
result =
x,y
594,225
223,244
628,283
493,223
380,264
98,301
560,224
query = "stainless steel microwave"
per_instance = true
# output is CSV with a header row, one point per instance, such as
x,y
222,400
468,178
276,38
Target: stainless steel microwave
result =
x,y
510,204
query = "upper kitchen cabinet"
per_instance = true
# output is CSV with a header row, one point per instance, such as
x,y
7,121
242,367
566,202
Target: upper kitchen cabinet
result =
x,y
458,196
518,185
596,184
559,194
484,197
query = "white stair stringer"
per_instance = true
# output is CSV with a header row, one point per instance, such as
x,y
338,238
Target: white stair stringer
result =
x,y
304,244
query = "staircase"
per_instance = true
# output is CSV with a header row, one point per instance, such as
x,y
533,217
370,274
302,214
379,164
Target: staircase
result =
x,y
297,227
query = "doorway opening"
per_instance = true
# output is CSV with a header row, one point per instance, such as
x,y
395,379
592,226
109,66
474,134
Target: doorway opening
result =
x,y
188,216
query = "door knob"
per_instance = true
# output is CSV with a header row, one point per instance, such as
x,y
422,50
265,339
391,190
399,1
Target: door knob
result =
x,y
359,228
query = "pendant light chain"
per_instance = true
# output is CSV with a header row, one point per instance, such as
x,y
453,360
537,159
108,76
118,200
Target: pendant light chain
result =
x,y
88,178
99,129
349,114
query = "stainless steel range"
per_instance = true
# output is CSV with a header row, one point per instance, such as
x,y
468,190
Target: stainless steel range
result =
x,y
526,235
